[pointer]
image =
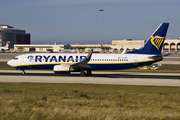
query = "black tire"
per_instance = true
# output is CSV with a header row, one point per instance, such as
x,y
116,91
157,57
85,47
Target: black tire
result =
x,y
82,73
23,72
89,72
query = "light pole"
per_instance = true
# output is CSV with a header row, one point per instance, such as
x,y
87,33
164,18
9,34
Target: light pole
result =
x,y
101,10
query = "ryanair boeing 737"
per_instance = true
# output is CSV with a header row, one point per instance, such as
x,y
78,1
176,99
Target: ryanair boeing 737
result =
x,y
64,63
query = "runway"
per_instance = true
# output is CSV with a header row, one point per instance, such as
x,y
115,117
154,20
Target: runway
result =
x,y
115,78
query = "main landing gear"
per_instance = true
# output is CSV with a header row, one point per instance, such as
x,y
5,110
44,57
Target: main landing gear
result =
x,y
82,73
88,73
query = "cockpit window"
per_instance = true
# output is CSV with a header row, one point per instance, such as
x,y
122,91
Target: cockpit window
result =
x,y
15,58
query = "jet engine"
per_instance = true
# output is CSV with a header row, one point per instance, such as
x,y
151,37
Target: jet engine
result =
x,y
62,69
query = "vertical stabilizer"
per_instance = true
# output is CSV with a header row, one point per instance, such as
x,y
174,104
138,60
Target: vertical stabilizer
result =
x,y
7,45
155,43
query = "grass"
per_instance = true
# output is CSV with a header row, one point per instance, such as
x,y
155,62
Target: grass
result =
x,y
24,101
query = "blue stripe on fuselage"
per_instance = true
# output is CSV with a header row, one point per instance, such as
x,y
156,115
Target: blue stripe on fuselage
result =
x,y
93,66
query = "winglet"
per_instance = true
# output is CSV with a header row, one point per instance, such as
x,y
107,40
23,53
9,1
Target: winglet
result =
x,y
83,64
89,55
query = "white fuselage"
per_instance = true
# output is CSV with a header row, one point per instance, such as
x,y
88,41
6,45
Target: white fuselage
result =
x,y
3,49
97,61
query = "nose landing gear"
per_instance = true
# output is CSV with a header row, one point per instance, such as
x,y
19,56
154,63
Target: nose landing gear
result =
x,y
23,72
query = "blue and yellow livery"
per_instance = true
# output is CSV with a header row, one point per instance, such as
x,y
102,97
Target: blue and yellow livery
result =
x,y
65,63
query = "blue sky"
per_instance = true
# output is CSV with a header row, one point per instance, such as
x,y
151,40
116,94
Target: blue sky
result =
x,y
78,21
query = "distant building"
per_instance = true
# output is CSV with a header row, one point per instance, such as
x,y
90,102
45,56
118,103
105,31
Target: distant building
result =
x,y
117,46
128,44
14,35
171,45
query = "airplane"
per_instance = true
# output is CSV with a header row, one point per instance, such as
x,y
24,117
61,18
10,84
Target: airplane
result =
x,y
3,49
85,63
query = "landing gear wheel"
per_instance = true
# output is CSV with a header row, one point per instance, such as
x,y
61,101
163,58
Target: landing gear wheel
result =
x,y
23,72
82,73
89,72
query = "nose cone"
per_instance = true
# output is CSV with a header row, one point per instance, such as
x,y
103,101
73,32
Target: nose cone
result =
x,y
10,62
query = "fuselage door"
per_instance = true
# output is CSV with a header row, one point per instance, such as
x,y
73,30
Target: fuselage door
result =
x,y
25,60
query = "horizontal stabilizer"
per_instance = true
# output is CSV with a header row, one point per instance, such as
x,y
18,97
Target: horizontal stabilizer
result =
x,y
157,57
168,54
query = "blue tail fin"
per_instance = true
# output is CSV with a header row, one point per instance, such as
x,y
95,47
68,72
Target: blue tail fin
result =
x,y
155,42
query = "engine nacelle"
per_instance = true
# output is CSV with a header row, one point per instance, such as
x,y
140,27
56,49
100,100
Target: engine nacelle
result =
x,y
61,69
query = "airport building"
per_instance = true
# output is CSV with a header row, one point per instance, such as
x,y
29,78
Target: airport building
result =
x,y
14,35
117,46
172,45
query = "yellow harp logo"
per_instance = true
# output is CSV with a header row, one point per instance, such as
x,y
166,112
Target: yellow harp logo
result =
x,y
157,41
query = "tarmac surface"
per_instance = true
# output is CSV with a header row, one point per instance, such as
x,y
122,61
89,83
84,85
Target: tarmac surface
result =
x,y
115,78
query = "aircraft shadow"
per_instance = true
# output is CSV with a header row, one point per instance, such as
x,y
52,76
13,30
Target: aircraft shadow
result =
x,y
105,75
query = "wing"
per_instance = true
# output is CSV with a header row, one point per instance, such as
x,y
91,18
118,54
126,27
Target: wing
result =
x,y
83,64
